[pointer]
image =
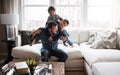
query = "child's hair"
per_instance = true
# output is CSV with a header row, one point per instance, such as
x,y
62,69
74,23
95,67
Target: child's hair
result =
x,y
65,20
51,8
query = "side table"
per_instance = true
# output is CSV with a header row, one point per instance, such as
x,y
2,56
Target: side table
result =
x,y
10,44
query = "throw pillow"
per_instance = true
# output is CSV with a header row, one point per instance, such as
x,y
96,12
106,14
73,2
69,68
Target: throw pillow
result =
x,y
25,36
107,41
92,36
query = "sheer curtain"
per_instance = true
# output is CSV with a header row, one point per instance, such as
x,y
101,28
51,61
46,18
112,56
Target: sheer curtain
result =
x,y
12,7
116,14
103,14
95,14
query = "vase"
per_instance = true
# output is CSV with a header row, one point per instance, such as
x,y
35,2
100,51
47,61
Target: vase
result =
x,y
32,68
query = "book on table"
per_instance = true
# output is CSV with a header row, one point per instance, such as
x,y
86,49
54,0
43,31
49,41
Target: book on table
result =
x,y
21,68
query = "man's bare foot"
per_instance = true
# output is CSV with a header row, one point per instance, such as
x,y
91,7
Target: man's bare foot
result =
x,y
33,42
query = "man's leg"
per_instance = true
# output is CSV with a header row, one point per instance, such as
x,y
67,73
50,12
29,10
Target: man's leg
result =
x,y
61,55
45,54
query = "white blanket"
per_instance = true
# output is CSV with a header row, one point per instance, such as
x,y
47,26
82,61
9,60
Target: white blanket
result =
x,y
106,68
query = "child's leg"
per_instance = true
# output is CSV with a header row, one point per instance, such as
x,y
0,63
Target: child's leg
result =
x,y
65,33
69,42
64,42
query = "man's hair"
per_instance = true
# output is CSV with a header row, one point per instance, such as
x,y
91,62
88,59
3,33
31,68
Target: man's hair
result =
x,y
51,8
51,24
65,20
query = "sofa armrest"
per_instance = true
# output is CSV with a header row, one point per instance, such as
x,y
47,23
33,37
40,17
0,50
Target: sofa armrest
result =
x,y
18,40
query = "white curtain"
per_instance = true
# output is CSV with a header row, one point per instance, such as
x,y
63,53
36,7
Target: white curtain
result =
x,y
14,7
116,14
11,6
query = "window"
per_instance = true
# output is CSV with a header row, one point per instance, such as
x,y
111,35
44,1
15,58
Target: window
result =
x,y
99,14
36,12
71,10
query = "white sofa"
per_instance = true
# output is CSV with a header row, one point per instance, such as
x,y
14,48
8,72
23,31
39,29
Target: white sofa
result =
x,y
74,61
101,61
93,58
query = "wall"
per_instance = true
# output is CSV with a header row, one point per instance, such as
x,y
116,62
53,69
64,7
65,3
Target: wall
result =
x,y
3,45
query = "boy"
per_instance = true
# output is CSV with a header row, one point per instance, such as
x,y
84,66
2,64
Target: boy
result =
x,y
66,23
52,16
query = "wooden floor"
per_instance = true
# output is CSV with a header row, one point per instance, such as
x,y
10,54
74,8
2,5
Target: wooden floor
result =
x,y
78,72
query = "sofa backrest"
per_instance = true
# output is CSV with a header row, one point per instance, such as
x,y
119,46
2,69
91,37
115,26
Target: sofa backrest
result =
x,y
76,36
83,36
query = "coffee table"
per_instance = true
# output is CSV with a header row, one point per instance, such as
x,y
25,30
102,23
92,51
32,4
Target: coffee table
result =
x,y
58,68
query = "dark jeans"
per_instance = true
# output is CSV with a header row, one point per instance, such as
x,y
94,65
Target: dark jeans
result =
x,y
61,55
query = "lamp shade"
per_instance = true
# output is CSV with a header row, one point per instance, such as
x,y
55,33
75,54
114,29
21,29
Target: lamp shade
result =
x,y
9,19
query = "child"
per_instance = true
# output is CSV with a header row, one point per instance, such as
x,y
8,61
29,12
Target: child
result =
x,y
66,23
52,16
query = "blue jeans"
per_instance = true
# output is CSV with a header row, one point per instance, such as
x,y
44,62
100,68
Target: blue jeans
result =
x,y
65,33
46,54
69,42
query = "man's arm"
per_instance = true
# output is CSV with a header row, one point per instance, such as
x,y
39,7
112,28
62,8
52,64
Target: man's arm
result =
x,y
38,31
35,36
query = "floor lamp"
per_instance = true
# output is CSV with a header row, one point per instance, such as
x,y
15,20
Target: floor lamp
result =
x,y
10,20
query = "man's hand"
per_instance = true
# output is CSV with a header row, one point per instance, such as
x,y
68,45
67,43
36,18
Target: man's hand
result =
x,y
63,38
61,25
33,42
50,38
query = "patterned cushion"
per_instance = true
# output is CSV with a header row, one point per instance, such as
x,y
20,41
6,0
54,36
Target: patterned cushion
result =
x,y
106,40
25,36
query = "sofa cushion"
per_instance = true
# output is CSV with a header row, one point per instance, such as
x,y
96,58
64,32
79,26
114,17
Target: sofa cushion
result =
x,y
73,35
73,52
27,51
83,36
106,68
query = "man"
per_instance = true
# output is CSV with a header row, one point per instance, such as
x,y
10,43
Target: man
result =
x,y
50,44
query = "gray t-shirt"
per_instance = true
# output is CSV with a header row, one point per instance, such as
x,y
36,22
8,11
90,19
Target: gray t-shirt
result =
x,y
54,18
